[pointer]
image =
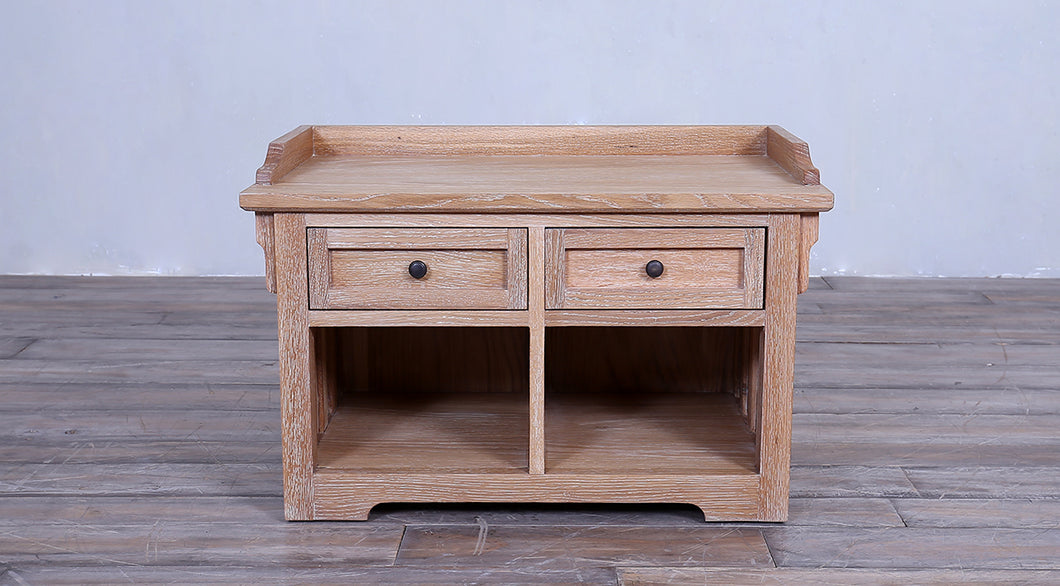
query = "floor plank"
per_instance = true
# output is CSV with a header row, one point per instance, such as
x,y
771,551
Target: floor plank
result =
x,y
996,401
558,546
833,577
21,397
142,371
904,454
928,428
850,481
49,425
189,449
73,510
1014,513
158,326
876,329
187,543
169,350
987,482
141,479
340,574
927,366
908,547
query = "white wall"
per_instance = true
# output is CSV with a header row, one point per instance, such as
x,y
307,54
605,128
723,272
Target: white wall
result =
x,y
128,128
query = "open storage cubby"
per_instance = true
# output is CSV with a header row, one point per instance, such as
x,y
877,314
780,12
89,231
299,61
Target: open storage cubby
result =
x,y
541,314
651,400
439,400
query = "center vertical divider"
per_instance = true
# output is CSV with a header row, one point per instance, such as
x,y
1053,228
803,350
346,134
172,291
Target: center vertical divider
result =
x,y
536,307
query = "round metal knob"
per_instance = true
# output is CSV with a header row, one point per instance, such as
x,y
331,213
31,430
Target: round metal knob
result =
x,y
418,269
654,269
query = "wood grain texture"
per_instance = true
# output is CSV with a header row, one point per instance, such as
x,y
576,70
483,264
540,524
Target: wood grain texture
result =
x,y
400,317
750,392
517,276
351,496
539,169
637,361
515,220
325,382
540,140
266,239
541,184
757,179
774,412
537,267
792,154
298,410
395,361
674,433
655,317
368,268
808,234
441,434
459,279
710,268
286,153
407,239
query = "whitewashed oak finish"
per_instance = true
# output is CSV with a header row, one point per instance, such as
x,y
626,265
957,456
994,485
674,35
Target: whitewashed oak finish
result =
x,y
467,268
513,221
590,268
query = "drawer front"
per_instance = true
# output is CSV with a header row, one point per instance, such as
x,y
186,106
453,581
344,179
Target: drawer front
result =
x,y
369,268
702,268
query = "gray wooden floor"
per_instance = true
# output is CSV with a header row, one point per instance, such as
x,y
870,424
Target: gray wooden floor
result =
x,y
139,442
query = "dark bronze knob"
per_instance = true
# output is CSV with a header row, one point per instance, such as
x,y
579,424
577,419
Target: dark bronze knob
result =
x,y
418,269
654,268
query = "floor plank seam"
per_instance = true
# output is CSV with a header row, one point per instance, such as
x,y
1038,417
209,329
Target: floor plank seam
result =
x,y
898,510
22,349
401,543
9,572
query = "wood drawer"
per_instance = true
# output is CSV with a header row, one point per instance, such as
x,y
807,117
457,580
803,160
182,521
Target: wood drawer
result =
x,y
368,268
703,268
